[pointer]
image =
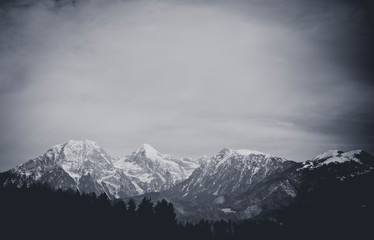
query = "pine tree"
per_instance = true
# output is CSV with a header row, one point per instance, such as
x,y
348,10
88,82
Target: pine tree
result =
x,y
145,210
131,208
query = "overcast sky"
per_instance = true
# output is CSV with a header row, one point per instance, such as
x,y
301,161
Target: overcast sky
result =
x,y
287,77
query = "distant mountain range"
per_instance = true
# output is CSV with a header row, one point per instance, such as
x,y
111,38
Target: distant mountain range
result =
x,y
233,184
244,184
86,167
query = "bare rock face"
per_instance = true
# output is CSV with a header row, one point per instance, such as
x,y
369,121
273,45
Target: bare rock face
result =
x,y
233,184
231,171
152,171
242,184
86,167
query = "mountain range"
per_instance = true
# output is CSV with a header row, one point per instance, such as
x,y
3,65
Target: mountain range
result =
x,y
233,184
242,184
86,167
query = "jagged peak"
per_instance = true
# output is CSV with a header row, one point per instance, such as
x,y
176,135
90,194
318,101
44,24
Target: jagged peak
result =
x,y
226,151
73,149
76,144
148,151
147,147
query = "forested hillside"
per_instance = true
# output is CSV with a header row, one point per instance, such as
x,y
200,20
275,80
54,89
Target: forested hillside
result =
x,y
43,213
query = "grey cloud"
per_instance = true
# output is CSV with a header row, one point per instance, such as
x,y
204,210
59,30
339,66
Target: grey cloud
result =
x,y
287,77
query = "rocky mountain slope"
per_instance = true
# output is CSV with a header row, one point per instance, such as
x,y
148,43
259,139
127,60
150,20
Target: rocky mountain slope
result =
x,y
151,171
335,167
231,171
233,184
241,184
86,167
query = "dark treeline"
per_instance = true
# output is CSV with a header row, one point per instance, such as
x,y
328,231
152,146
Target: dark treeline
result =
x,y
39,211
329,208
42,213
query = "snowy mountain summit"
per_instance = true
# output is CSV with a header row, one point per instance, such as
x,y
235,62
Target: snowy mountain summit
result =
x,y
230,171
152,171
148,151
334,157
242,184
232,184
86,167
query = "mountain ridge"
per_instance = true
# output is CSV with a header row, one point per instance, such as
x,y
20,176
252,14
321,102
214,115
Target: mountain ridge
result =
x,y
232,184
86,167
203,194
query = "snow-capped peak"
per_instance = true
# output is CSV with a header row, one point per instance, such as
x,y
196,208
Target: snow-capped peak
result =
x,y
73,147
75,144
327,154
148,151
226,151
85,166
74,157
243,152
338,156
152,171
333,156
250,152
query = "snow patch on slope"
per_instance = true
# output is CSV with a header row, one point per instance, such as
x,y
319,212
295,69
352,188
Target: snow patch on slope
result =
x,y
227,210
153,171
250,152
333,156
339,157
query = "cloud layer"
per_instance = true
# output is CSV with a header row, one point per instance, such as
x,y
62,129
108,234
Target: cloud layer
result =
x,y
189,77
